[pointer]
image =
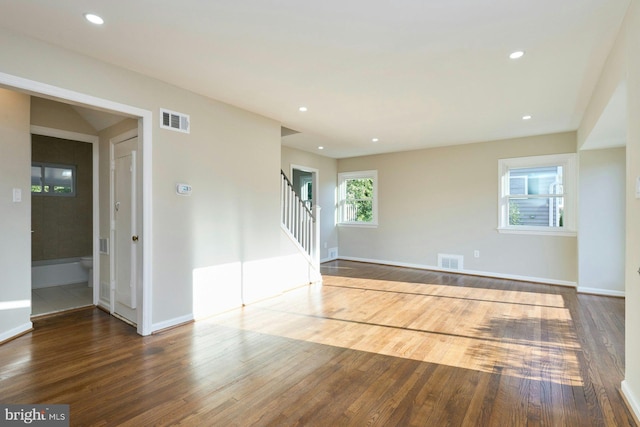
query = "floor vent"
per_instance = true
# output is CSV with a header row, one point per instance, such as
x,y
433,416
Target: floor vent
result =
x,y
174,121
450,262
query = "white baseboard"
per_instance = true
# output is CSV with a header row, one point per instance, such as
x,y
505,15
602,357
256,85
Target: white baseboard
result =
x,y
12,333
631,400
328,259
604,292
542,280
171,323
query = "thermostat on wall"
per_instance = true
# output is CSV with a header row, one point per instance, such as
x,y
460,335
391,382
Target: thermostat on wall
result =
x,y
183,189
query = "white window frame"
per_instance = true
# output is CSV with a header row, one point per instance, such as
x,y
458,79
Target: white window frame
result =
x,y
342,195
568,162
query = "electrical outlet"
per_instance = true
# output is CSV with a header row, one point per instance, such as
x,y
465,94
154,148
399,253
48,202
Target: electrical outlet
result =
x,y
476,254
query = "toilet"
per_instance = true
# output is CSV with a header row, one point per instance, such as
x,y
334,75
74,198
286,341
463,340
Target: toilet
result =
x,y
87,264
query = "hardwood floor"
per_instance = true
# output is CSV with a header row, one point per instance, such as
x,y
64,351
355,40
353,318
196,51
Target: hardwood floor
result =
x,y
374,345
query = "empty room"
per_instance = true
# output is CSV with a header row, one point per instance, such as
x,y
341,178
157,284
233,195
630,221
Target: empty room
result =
x,y
285,213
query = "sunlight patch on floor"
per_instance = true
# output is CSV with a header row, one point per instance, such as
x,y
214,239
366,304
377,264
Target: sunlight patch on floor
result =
x,y
522,334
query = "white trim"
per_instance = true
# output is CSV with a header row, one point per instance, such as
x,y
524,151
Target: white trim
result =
x,y
145,127
94,140
631,400
538,231
11,333
144,131
76,98
357,224
176,321
541,280
603,292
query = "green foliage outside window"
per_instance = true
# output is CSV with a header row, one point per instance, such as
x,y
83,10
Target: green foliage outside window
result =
x,y
359,200
514,214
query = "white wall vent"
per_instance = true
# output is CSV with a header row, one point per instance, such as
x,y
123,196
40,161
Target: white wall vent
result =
x,y
174,121
451,262
104,246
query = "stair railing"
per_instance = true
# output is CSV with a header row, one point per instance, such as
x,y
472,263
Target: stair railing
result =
x,y
299,220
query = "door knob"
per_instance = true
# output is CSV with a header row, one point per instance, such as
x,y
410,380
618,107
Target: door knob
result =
x,y
134,238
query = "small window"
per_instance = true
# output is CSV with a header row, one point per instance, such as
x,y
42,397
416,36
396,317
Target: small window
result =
x,y
537,195
53,180
358,203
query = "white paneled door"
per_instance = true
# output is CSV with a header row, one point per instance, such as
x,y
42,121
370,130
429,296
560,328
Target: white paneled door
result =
x,y
124,284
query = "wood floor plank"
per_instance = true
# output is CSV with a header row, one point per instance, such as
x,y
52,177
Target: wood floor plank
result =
x,y
373,345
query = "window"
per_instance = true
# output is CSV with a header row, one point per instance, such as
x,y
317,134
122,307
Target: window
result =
x,y
538,195
53,180
358,193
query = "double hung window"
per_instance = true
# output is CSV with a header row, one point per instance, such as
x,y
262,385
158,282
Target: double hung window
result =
x,y
538,195
358,198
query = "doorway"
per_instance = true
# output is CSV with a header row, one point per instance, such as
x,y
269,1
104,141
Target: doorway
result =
x,y
305,182
144,117
63,219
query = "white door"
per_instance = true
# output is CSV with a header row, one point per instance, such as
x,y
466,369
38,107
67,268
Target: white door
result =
x,y
124,284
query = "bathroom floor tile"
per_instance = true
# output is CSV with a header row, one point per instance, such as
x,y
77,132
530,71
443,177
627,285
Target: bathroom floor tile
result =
x,y
59,298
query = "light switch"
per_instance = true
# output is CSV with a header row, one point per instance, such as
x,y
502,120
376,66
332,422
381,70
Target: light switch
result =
x,y
17,195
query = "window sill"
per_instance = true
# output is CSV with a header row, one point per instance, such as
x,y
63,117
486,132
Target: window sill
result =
x,y
358,224
538,231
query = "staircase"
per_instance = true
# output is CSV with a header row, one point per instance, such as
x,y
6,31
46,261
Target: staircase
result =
x,y
302,225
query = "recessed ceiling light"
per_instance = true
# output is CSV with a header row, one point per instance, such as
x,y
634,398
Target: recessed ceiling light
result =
x,y
374,140
527,117
93,18
517,54
321,148
302,109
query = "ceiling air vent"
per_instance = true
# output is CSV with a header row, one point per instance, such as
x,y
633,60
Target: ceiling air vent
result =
x,y
174,121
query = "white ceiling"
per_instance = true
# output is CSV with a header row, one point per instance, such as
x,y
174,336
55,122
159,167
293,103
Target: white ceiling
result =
x,y
413,73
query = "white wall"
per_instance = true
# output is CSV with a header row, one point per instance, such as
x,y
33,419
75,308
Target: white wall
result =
x,y
229,227
15,217
601,221
623,67
326,192
445,200
56,115
631,32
